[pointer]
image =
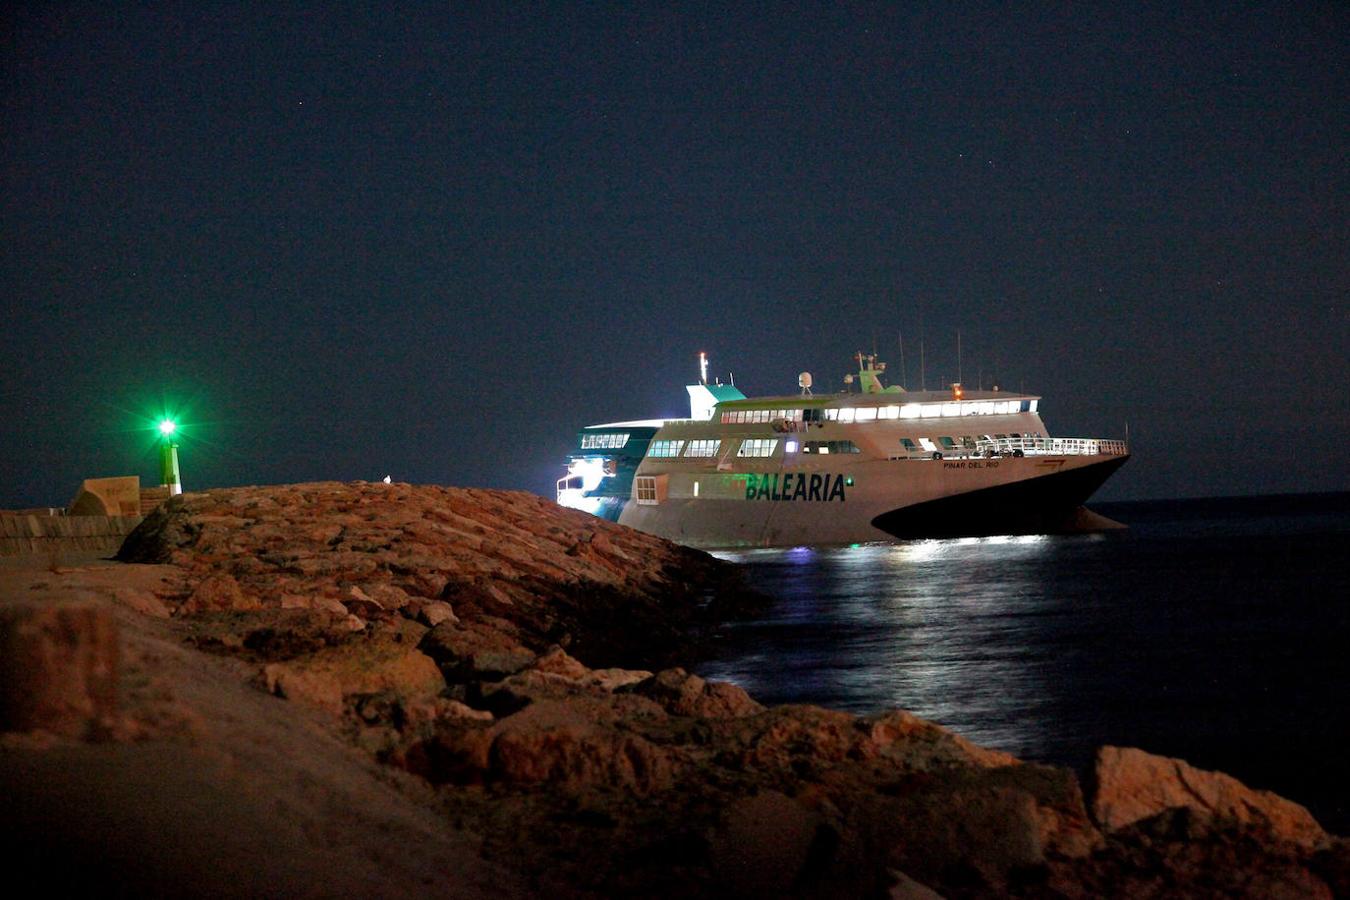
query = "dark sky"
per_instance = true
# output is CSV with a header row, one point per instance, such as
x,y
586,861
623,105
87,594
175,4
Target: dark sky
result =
x,y
344,241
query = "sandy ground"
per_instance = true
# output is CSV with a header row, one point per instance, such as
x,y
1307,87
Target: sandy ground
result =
x,y
220,790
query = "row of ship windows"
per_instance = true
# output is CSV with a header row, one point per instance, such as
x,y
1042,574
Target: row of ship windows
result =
x,y
609,441
751,447
849,414
764,447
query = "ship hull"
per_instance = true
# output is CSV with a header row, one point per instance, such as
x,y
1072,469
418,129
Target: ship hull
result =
x,y
875,500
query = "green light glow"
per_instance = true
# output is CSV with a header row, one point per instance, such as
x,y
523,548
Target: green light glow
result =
x,y
167,427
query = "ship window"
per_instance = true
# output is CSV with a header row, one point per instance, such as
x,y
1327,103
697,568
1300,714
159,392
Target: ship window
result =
x,y
758,447
813,415
702,448
846,415
665,448
930,410
603,441
951,409
645,490
889,412
911,411
825,447
908,445
948,443
867,414
927,444
1030,405
832,415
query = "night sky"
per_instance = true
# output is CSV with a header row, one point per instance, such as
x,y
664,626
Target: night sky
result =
x,y
345,241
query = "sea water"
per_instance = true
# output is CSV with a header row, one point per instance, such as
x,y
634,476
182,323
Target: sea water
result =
x,y
1217,631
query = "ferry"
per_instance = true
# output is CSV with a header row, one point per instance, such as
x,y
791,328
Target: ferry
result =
x,y
875,463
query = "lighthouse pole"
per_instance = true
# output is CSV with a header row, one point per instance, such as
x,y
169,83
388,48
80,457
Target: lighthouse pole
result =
x,y
168,459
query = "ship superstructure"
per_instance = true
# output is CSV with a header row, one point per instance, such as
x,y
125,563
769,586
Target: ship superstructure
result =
x,y
873,464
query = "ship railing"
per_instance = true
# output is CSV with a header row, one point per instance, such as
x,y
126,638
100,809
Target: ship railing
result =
x,y
1037,446
994,447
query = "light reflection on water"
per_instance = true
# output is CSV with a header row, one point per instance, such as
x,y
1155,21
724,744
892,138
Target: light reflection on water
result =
x,y
935,627
1210,631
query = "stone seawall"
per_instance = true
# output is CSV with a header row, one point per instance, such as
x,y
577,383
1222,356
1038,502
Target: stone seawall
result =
x,y
30,535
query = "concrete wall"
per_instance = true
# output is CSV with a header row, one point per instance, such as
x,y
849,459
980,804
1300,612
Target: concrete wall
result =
x,y
39,535
117,496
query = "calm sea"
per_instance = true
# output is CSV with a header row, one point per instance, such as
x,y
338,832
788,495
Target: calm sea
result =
x,y
1217,631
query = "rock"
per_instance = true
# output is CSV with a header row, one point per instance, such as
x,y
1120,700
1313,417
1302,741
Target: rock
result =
x,y
1131,785
434,612
58,668
920,745
987,825
615,679
683,694
763,845
906,888
327,677
217,593
557,744
474,652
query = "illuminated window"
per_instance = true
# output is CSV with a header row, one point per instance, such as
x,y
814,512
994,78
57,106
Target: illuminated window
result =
x,y
947,443
758,447
911,411
930,410
867,414
889,412
846,415
665,448
826,447
951,409
702,448
909,445
790,447
832,415
603,441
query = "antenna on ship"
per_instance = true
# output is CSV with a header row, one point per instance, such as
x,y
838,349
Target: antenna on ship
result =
x,y
900,339
702,367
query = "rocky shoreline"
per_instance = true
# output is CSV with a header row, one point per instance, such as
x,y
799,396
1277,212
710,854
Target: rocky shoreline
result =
x,y
377,689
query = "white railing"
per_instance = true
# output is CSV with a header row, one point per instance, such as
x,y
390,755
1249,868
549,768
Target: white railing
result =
x,y
1031,446
1024,447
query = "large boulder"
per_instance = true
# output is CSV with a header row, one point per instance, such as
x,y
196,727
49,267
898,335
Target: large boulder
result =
x,y
1131,785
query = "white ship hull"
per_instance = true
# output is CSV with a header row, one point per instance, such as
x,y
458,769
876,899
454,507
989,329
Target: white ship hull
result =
x,y
887,499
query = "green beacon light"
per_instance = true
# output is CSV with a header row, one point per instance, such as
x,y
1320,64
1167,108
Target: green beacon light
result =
x,y
168,458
